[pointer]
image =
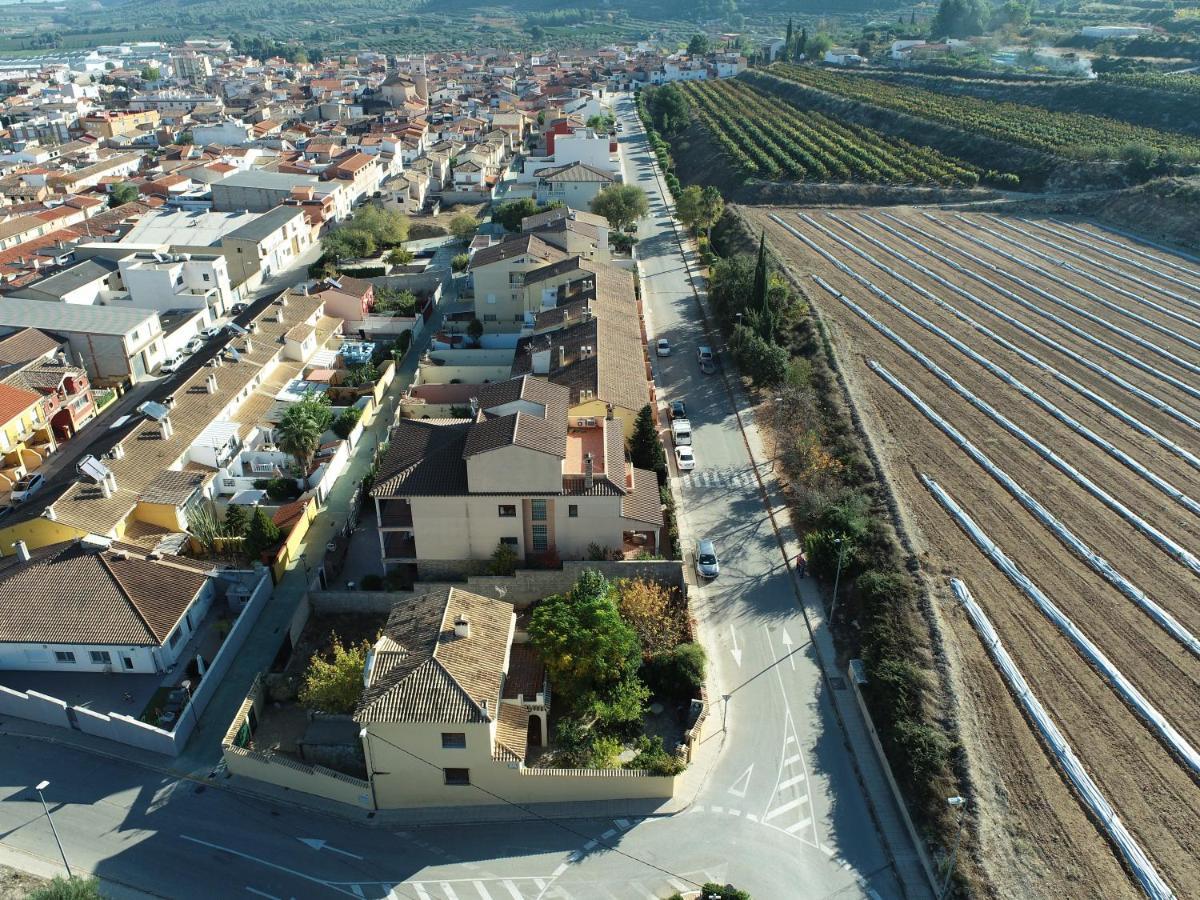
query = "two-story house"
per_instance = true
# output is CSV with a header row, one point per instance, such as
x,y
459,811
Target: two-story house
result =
x,y
519,472
575,184
498,273
33,360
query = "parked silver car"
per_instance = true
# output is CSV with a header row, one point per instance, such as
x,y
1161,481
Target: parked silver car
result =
x,y
706,559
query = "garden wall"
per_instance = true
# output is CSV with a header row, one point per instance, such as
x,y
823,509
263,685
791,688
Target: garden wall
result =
x,y
33,706
520,589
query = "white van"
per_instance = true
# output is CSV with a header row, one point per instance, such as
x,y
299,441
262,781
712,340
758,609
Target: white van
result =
x,y
681,432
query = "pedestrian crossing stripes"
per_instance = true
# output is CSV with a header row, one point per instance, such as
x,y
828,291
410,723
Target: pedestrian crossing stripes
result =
x,y
708,479
516,888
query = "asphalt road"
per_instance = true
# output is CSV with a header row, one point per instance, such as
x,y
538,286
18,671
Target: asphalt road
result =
x,y
779,812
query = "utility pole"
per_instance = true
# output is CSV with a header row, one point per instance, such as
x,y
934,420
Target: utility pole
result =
x,y
41,787
841,544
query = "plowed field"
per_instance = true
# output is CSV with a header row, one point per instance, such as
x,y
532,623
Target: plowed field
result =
x,y
1091,346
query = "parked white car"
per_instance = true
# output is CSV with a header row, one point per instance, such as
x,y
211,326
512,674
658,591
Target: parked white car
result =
x,y
662,347
172,363
27,487
685,458
195,345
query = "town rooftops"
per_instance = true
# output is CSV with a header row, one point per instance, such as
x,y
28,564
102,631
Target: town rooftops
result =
x,y
423,671
81,593
25,345
276,181
14,401
191,228
576,171
513,246
77,276
265,225
16,312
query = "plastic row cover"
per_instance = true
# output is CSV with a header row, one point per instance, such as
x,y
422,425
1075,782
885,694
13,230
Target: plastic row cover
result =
x,y
1143,869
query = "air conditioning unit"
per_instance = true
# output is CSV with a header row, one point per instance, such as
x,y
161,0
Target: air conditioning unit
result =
x,y
591,423
581,423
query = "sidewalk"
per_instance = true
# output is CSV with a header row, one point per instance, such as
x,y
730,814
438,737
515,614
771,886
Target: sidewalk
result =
x,y
885,806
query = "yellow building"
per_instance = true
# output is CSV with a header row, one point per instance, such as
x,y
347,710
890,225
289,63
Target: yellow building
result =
x,y
26,437
112,124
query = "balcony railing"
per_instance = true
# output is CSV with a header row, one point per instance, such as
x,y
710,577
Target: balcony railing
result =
x,y
399,545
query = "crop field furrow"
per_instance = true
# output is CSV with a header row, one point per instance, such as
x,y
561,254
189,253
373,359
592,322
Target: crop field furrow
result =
x,y
1058,444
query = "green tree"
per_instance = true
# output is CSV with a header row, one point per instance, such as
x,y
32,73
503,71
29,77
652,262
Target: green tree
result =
x,y
236,520
801,45
816,46
302,425
399,257
334,683
460,262
1013,14
668,107
763,362
463,226
699,208
261,534
511,213
645,449
63,888
387,227
959,19
475,330
699,45
352,243
787,40
150,73
603,123
120,194
504,559
621,204
586,646
760,292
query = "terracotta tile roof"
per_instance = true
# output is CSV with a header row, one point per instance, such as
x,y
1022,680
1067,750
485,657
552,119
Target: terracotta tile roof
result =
x,y
424,672
643,503
512,733
526,673
425,456
516,245
75,594
173,487
25,345
14,401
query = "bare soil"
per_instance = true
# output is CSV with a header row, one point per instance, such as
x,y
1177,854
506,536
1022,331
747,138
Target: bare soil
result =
x,y
1034,838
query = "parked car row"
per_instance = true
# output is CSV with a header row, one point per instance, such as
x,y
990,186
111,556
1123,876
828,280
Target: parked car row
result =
x,y
174,362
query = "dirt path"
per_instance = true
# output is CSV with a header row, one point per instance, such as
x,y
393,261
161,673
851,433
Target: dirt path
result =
x,y
1036,841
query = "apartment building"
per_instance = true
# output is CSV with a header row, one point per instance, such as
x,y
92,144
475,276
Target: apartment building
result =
x,y
518,472
269,244
117,124
498,273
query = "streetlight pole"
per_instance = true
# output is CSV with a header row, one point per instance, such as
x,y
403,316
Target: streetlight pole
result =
x,y
841,544
41,787
959,803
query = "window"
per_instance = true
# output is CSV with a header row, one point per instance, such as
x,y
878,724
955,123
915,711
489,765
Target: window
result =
x,y
101,658
572,511
457,776
489,317
507,511
454,740
516,279
174,638
541,541
207,277
537,510
64,656
509,542
179,281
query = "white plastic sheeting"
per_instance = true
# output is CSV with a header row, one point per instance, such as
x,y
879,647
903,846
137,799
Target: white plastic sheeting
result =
x,y
1167,543
1095,298
1093,559
1033,307
1093,654
1157,402
1025,241
1135,857
1158,261
1062,378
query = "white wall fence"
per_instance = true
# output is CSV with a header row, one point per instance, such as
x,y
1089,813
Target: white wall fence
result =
x,y
127,729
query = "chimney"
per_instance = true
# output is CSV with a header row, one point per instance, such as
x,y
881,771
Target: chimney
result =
x,y
249,345
111,480
50,514
210,383
105,489
22,551
283,299
608,411
279,315
474,401
588,480
165,428
462,627
562,355
118,451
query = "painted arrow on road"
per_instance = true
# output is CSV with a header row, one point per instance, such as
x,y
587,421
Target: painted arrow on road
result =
x,y
318,844
787,646
737,651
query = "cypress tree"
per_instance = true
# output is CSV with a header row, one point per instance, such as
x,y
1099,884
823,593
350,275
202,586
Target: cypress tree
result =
x,y
760,293
787,42
801,44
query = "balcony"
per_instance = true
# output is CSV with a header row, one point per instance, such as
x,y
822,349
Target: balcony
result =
x,y
398,546
395,514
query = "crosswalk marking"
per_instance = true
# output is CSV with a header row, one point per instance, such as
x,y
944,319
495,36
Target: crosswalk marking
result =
x,y
791,760
787,783
512,889
422,894
718,478
483,891
449,891
780,810
803,823
621,823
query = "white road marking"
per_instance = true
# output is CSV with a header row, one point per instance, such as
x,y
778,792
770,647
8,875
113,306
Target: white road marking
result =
x,y
483,891
742,783
696,809
621,823
267,863
795,779
358,891
562,867
780,810
541,885
803,823
608,833
589,845
791,760
449,891
717,809
677,884
736,650
791,739
422,894
752,817
735,812
512,889
828,851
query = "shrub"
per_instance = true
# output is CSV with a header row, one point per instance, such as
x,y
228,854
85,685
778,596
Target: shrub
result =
x,y
364,271
460,262
648,607
334,684
62,888
261,534
677,673
652,757
282,489
604,753
344,424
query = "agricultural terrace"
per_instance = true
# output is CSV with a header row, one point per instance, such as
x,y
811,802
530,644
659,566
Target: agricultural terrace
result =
x,y
1069,134
765,137
1031,387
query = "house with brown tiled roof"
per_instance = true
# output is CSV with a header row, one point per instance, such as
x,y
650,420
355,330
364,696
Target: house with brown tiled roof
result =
x,y
498,273
518,471
88,606
33,360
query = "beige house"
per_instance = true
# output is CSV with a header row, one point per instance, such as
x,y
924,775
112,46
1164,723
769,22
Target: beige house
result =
x,y
519,472
572,231
498,273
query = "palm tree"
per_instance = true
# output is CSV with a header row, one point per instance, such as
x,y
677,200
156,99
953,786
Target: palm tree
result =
x,y
298,435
